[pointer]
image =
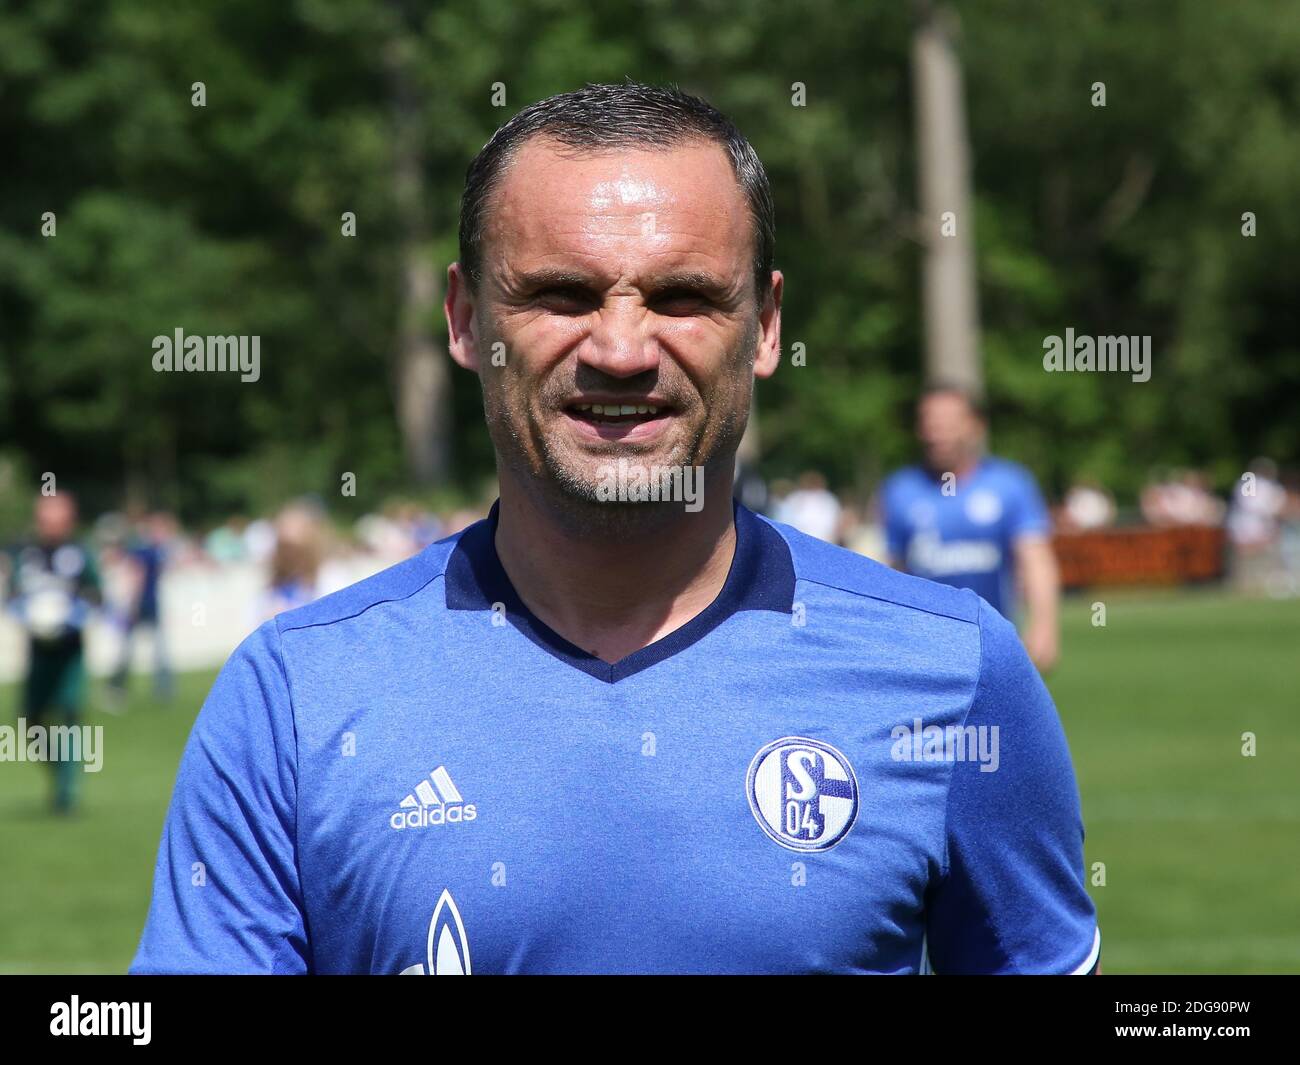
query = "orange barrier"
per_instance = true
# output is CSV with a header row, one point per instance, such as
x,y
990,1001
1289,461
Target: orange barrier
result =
x,y
1141,555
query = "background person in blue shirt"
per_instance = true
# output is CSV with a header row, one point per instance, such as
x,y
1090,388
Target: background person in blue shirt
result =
x,y
624,735
146,555
974,521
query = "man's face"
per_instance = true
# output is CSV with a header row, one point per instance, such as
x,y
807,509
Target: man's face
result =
x,y
949,431
56,516
619,290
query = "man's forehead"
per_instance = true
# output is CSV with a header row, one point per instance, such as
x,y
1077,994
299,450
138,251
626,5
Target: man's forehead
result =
x,y
679,201
944,405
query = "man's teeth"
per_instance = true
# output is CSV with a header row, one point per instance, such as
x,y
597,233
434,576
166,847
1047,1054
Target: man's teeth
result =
x,y
615,408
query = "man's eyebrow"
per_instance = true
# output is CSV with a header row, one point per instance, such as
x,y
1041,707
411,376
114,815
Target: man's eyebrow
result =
x,y
548,277
693,280
678,280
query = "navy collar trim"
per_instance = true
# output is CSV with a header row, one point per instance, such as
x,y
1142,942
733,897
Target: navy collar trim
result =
x,y
761,578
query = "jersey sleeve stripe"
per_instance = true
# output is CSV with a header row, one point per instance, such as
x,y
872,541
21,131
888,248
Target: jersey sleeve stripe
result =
x,y
1090,962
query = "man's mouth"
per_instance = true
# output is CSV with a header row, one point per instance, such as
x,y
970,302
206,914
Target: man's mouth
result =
x,y
619,421
614,412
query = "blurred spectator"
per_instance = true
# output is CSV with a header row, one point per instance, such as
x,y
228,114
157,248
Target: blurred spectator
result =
x,y
1258,503
146,556
425,528
1087,506
53,587
750,489
226,542
1264,528
778,491
1181,499
462,518
812,508
861,533
399,532
296,558
1287,580
260,538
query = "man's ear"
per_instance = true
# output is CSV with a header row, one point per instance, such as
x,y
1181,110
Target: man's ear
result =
x,y
462,344
769,318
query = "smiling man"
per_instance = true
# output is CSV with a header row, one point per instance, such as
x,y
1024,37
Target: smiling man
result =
x,y
626,733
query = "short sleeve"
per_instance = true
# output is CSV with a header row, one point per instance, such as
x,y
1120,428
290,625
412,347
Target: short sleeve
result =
x,y
226,891
1011,898
1028,513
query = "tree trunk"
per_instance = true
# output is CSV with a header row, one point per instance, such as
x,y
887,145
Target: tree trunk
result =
x,y
420,377
943,163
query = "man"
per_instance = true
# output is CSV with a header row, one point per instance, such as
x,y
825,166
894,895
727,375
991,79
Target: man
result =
x,y
53,587
974,521
596,735
146,558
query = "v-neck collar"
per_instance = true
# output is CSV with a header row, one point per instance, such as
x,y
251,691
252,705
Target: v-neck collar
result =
x,y
979,466
761,578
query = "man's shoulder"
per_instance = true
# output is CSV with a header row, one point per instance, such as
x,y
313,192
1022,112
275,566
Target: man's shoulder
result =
x,y
394,584
906,478
849,573
1006,471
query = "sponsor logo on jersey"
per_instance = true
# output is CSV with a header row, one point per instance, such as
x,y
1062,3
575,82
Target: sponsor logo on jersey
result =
x,y
983,507
803,793
929,556
435,801
447,948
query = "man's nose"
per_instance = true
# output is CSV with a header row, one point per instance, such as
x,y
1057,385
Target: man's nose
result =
x,y
620,343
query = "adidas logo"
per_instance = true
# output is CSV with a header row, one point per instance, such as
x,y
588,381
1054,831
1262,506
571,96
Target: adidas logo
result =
x,y
435,801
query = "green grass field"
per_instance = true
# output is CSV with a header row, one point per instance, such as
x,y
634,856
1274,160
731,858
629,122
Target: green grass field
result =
x,y
1201,845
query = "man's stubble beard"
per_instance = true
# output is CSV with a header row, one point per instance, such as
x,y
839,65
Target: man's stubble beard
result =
x,y
568,488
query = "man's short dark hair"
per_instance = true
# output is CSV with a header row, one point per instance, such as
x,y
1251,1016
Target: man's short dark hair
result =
x,y
599,118
950,388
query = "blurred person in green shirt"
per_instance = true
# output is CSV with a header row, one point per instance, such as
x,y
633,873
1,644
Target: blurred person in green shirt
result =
x,y
54,584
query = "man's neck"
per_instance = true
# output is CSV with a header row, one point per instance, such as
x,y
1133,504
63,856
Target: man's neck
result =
x,y
612,596
963,469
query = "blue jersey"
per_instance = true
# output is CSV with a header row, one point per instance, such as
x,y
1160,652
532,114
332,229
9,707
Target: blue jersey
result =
x,y
964,536
833,768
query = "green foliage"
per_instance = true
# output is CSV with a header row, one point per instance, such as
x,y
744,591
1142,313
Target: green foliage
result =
x,y
226,219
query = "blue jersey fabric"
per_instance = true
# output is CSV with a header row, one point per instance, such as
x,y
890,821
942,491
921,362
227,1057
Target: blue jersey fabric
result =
x,y
415,775
965,537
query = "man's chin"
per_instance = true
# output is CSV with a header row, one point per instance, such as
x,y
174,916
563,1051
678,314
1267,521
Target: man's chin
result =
x,y
592,461
590,477
628,478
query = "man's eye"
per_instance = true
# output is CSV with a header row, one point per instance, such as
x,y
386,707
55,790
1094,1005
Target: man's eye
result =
x,y
563,300
680,303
